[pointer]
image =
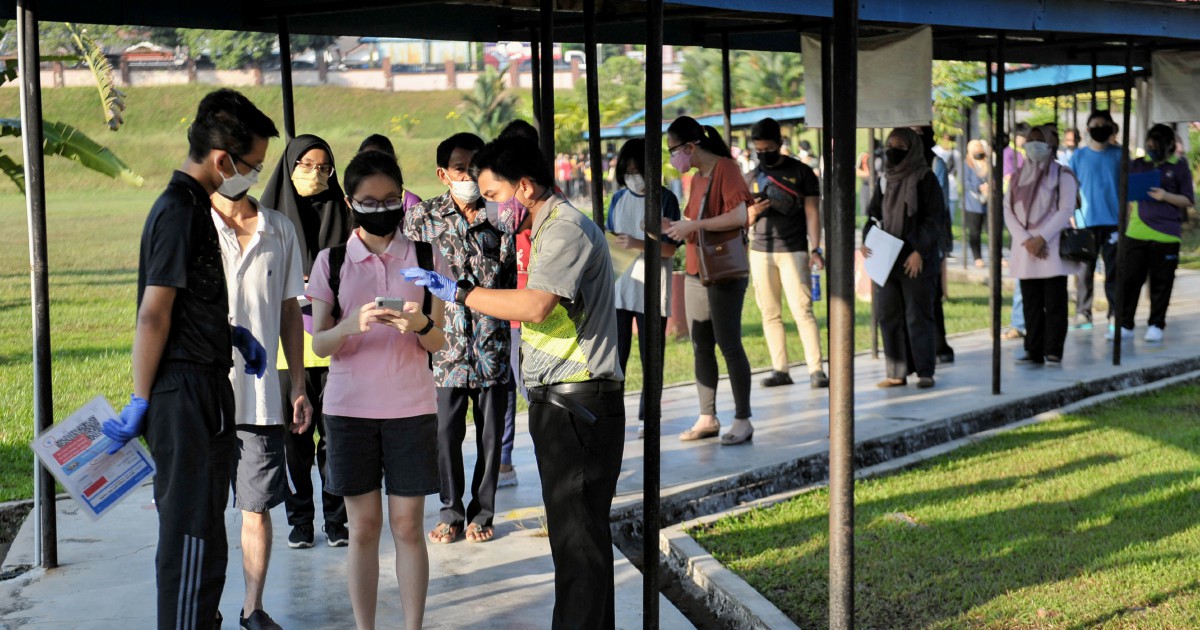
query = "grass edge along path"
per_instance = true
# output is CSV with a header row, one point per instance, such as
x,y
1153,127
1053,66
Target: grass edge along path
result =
x,y
1088,520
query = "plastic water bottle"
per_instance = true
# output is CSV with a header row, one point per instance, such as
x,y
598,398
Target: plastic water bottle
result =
x,y
816,286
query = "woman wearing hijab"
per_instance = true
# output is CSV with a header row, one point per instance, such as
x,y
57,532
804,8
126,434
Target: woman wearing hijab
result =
x,y
975,183
1037,207
909,205
304,187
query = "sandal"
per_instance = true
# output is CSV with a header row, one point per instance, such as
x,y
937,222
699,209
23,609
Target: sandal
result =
x,y
892,382
444,534
477,533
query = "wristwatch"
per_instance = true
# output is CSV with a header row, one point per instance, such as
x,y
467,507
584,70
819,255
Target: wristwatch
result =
x,y
818,251
428,327
465,287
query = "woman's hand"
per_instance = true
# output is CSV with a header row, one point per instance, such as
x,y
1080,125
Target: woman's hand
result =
x,y
408,320
626,241
866,251
1157,194
1036,246
682,230
367,315
985,189
913,265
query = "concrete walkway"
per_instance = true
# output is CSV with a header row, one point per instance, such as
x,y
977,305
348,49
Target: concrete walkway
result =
x,y
106,579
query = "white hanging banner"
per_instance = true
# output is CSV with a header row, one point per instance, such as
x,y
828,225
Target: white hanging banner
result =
x,y
1176,88
895,79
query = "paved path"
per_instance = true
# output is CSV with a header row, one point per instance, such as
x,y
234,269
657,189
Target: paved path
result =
x,y
107,579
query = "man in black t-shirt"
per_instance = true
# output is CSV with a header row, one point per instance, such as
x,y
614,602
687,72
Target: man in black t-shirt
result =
x,y
182,353
785,220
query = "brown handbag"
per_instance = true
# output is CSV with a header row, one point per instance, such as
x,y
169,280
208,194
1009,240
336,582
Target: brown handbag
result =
x,y
723,255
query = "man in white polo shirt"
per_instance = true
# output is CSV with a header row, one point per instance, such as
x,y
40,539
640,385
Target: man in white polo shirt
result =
x,y
262,271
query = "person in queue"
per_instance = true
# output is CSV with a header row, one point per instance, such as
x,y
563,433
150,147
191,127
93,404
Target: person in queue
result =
x,y
977,186
719,200
304,188
570,367
1097,165
908,205
1154,233
379,431
626,215
182,352
1037,207
381,143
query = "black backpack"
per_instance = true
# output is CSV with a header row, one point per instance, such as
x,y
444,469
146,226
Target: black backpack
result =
x,y
337,257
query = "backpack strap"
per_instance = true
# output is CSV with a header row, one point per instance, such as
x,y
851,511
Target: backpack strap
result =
x,y
337,256
425,261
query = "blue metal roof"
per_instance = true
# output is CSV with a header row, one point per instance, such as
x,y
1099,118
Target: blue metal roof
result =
x,y
1045,77
786,112
642,113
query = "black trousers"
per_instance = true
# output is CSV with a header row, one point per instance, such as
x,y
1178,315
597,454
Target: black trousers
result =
x,y
489,405
301,451
1156,262
579,464
975,223
943,348
715,321
906,321
1045,317
1085,290
190,431
625,321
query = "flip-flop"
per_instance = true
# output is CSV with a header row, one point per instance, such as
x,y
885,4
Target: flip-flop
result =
x,y
444,534
475,533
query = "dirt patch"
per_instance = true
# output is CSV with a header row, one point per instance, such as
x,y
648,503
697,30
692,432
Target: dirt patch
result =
x,y
12,515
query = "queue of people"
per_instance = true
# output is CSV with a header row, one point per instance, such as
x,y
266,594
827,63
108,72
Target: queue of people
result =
x,y
376,319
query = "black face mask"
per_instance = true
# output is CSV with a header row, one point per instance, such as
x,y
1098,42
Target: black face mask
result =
x,y
1100,134
979,156
768,158
379,223
895,156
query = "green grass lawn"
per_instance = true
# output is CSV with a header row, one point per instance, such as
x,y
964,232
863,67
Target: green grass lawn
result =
x,y
1091,520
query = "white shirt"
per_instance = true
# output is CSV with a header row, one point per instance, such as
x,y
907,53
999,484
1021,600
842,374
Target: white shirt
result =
x,y
627,213
260,279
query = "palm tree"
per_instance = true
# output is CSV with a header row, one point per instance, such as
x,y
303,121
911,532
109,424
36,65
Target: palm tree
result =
x,y
64,140
768,78
489,107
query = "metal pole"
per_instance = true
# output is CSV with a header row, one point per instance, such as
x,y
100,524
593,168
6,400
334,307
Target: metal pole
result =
x,y
1056,114
285,78
535,74
873,183
963,140
1095,104
1123,214
1075,117
995,211
841,294
593,105
546,133
826,152
726,89
29,61
653,361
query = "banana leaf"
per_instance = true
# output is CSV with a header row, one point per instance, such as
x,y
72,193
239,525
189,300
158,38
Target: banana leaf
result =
x,y
71,143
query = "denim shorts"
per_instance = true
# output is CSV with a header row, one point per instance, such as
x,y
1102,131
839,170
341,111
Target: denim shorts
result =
x,y
400,452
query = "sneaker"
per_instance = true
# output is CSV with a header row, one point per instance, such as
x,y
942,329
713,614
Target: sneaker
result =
x,y
776,379
1082,324
259,620
337,535
508,478
1154,334
1126,333
818,380
641,430
944,358
301,537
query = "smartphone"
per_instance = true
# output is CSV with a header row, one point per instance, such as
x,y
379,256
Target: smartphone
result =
x,y
396,304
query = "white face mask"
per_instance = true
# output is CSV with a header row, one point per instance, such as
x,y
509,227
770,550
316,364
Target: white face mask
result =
x,y
636,184
466,192
1037,151
236,187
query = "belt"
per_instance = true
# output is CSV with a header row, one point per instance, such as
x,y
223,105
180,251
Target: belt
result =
x,y
558,395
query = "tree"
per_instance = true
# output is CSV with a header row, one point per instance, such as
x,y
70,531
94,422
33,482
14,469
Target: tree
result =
x,y
768,78
701,70
64,140
489,106
229,50
950,82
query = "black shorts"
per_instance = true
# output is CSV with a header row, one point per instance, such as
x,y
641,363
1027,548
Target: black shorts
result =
x,y
261,481
400,451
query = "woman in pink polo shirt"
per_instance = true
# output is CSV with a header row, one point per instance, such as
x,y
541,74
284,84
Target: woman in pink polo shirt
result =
x,y
380,403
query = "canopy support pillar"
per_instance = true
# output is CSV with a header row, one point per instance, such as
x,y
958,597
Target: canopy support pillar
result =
x,y
546,120
285,79
726,89
592,73
1123,206
995,216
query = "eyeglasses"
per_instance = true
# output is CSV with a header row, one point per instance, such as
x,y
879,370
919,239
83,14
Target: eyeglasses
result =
x,y
375,205
256,169
326,169
672,149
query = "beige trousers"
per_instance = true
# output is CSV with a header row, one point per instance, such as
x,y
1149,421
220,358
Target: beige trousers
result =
x,y
776,274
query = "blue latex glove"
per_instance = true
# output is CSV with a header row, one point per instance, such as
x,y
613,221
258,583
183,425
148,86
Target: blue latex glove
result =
x,y
130,425
253,351
441,286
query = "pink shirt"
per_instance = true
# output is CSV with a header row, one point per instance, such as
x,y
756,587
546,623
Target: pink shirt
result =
x,y
381,373
1051,213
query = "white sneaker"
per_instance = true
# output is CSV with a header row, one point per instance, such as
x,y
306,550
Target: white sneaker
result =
x,y
507,478
1154,334
1126,333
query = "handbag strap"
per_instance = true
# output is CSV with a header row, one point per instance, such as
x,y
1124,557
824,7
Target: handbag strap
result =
x,y
704,201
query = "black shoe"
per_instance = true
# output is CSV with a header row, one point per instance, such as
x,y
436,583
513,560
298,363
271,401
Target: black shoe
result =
x,y
337,534
217,623
818,380
776,379
947,357
259,620
301,537
1025,357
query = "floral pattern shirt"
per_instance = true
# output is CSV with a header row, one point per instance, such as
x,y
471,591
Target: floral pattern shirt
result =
x,y
477,346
